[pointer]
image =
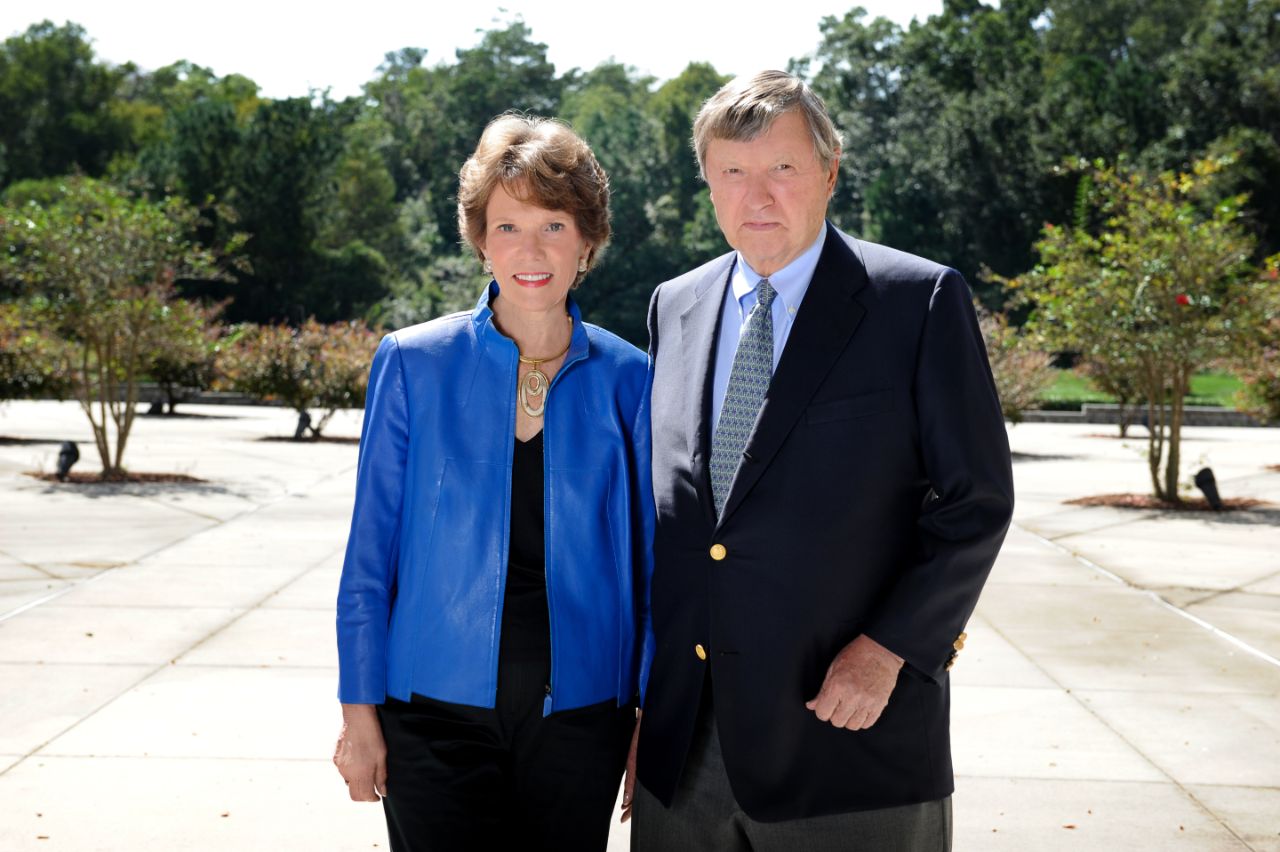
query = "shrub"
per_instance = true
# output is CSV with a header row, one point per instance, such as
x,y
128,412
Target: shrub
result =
x,y
315,366
1021,371
32,362
185,359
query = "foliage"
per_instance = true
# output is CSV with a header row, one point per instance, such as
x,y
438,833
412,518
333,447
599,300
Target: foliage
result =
x,y
185,358
98,267
1021,372
954,126
1154,283
954,129
1257,356
1260,395
57,105
32,362
1120,379
313,366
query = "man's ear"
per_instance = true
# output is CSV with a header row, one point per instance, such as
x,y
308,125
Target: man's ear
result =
x,y
835,172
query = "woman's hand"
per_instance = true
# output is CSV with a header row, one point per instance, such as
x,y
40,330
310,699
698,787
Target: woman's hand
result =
x,y
629,778
361,753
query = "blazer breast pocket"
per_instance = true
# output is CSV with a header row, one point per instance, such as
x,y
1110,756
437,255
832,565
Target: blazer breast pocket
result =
x,y
850,407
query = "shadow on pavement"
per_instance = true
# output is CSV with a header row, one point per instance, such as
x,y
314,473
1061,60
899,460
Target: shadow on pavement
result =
x,y
1040,457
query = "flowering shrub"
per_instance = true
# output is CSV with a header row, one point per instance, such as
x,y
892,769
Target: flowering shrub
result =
x,y
314,366
1021,371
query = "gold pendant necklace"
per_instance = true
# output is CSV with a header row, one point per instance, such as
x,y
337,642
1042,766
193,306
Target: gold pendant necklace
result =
x,y
534,385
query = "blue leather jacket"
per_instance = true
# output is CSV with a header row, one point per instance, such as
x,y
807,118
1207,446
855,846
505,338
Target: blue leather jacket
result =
x,y
420,601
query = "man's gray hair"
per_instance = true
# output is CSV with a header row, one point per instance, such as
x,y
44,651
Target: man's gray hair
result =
x,y
745,107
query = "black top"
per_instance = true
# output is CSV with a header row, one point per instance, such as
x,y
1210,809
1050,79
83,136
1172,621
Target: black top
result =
x,y
526,623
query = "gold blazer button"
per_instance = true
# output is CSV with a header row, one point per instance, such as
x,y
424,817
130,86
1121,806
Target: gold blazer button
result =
x,y
718,552
699,650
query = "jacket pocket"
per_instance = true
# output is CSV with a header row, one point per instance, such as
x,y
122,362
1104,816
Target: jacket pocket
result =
x,y
850,408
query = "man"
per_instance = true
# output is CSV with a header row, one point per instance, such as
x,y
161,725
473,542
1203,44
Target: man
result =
x,y
832,483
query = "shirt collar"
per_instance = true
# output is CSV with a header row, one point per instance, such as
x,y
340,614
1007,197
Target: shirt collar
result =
x,y
790,282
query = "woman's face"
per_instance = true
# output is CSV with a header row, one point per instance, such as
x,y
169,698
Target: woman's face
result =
x,y
535,252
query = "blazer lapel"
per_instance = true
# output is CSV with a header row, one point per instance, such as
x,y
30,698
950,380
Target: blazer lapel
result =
x,y
827,318
698,327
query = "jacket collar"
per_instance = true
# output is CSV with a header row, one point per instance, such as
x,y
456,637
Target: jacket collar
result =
x,y
493,343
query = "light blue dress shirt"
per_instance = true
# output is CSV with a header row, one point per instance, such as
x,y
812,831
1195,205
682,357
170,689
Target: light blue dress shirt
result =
x,y
791,282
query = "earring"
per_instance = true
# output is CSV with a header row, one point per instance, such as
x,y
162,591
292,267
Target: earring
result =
x,y
582,265
488,266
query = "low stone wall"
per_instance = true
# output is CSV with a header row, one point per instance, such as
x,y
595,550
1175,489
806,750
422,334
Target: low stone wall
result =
x,y
1192,415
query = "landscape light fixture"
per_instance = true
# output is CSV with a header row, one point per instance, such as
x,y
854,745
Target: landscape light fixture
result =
x,y
304,423
68,454
1209,487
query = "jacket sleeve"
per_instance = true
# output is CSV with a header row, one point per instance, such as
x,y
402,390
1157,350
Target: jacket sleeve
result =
x,y
965,450
368,572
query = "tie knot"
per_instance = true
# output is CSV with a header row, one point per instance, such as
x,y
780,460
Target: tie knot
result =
x,y
765,293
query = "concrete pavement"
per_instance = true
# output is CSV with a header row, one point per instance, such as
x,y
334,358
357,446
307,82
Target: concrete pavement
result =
x,y
167,663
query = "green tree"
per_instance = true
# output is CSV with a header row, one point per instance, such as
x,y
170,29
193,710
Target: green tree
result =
x,y
941,154
56,105
1162,285
288,150
99,266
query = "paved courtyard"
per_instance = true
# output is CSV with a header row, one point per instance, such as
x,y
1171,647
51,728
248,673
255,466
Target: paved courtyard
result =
x,y
168,671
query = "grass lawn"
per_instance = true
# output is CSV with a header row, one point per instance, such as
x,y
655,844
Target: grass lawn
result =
x,y
1070,389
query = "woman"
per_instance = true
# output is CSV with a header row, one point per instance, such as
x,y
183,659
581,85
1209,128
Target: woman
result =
x,y
487,611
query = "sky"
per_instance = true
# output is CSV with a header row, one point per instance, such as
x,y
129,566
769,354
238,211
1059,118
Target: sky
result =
x,y
289,48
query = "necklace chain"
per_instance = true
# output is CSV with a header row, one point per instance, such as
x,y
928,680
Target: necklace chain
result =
x,y
534,386
525,359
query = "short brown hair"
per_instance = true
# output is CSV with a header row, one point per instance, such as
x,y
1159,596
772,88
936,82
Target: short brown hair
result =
x,y
539,161
745,107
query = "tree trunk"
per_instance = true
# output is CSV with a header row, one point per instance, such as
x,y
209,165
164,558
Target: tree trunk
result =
x,y
1155,428
1173,462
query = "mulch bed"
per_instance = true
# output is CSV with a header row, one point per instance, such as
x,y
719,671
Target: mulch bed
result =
x,y
323,439
74,478
1146,501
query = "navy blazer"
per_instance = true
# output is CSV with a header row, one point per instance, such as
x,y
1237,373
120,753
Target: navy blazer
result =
x,y
872,498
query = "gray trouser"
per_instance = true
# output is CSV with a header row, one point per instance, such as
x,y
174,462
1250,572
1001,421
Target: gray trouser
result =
x,y
705,817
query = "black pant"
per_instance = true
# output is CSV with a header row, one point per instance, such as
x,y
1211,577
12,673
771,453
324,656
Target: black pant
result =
x,y
463,778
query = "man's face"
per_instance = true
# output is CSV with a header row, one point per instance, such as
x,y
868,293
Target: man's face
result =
x,y
771,193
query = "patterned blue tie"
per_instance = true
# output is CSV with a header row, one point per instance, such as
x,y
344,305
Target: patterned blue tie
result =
x,y
748,383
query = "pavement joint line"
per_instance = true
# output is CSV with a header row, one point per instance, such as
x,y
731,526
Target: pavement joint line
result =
x,y
74,584
1194,619
1243,588
155,499
54,595
167,664
1213,815
1210,594
1125,522
254,606
34,566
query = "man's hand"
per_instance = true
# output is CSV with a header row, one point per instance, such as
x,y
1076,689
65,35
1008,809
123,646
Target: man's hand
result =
x,y
361,754
857,686
629,778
